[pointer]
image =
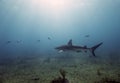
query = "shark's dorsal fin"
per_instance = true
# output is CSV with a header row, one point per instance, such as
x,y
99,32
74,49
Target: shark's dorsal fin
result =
x,y
85,46
70,42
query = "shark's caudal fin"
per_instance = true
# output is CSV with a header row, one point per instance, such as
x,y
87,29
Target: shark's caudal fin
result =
x,y
95,47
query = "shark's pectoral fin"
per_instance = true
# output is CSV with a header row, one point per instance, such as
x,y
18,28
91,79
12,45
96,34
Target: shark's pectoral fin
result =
x,y
78,51
85,51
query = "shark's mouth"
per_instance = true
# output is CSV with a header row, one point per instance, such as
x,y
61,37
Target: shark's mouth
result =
x,y
60,51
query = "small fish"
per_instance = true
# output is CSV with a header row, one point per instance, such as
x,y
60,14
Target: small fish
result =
x,y
8,42
19,41
49,38
38,40
87,35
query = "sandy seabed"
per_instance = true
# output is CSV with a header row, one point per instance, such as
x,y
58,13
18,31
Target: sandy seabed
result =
x,y
44,68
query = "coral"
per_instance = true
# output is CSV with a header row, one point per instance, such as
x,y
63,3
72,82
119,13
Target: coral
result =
x,y
63,73
1,80
107,80
57,80
61,79
99,72
35,79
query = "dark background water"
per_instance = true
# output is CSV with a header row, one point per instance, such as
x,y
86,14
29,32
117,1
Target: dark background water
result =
x,y
55,22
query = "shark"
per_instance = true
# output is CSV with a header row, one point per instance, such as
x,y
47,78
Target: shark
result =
x,y
70,47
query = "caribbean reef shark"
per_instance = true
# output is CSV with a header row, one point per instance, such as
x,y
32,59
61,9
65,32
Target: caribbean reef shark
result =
x,y
71,47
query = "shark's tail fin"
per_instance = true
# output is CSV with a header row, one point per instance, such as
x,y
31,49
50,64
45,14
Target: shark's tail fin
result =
x,y
95,47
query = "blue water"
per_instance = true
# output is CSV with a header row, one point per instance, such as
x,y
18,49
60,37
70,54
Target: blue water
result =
x,y
28,21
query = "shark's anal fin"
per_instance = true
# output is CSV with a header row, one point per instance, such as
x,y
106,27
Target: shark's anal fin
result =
x,y
70,42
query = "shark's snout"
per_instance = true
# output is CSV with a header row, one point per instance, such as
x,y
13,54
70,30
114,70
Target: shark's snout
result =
x,y
56,48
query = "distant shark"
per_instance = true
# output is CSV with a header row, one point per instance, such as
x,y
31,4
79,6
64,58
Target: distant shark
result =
x,y
71,47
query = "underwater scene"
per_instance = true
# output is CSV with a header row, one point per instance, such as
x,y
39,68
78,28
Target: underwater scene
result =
x,y
59,41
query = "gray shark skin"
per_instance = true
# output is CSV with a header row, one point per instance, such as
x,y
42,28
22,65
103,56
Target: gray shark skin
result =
x,y
71,47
